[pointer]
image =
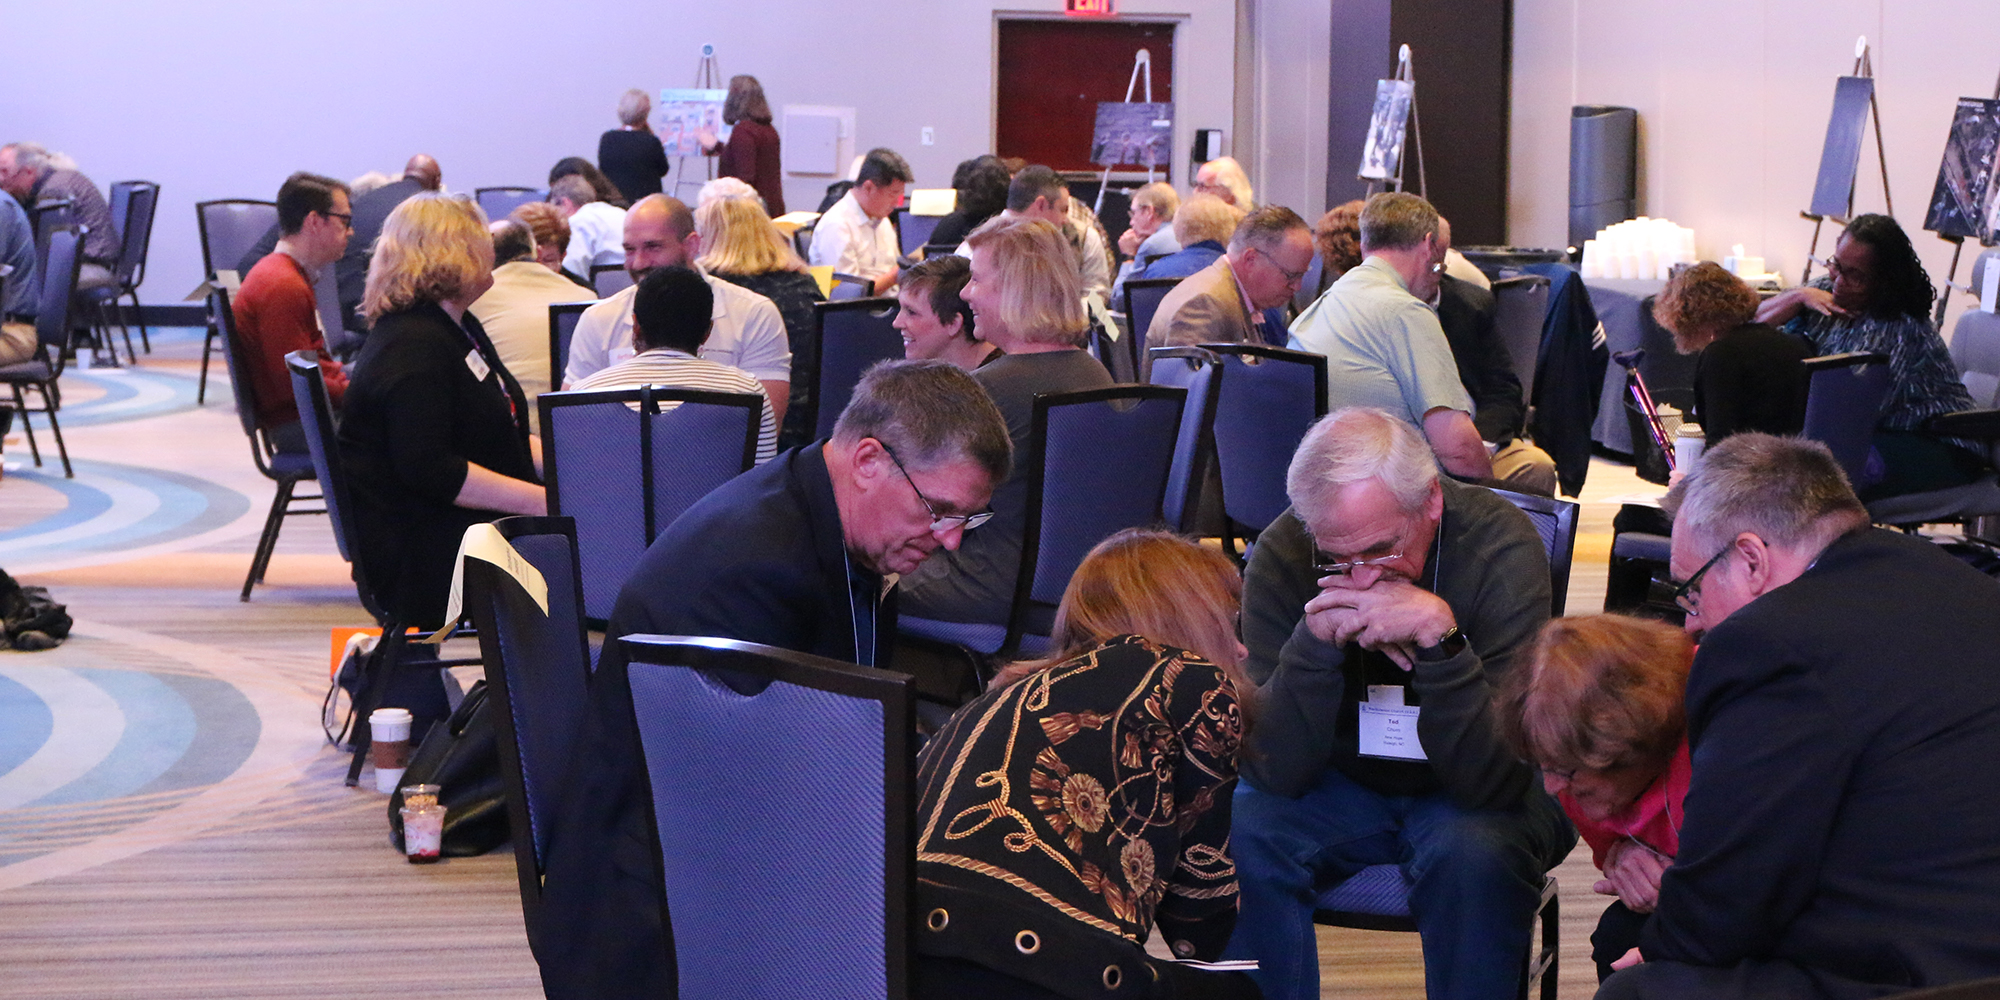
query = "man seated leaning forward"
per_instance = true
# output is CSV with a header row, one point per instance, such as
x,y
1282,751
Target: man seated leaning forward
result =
x,y
790,554
1379,612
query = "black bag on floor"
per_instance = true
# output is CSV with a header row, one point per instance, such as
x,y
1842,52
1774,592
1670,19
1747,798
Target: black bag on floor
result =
x,y
32,619
462,758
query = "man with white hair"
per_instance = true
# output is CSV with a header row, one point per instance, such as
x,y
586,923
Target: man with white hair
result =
x,y
1380,611
28,171
1839,835
1224,178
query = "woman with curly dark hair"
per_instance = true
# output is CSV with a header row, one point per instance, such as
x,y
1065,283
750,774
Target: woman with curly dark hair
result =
x,y
1747,376
1876,297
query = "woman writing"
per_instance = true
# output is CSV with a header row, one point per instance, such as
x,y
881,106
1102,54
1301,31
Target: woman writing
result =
x,y
1084,800
434,431
1747,376
1598,705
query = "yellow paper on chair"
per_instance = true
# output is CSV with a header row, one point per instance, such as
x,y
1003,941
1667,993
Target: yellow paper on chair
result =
x,y
823,277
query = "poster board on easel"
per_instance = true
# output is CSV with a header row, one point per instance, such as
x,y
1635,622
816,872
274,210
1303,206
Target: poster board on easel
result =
x,y
1128,132
1393,127
1963,204
1854,106
683,115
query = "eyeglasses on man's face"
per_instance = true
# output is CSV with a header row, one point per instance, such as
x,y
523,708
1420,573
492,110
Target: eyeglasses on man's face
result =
x,y
1688,594
940,523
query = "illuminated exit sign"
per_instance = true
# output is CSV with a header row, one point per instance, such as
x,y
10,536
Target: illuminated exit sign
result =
x,y
1091,8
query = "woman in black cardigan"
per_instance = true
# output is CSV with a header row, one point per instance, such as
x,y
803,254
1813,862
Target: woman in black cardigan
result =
x,y
434,430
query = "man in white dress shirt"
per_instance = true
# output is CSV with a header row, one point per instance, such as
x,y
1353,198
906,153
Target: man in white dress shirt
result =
x,y
855,236
595,227
748,333
515,311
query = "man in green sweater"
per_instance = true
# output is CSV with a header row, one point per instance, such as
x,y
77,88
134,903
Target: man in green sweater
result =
x,y
1379,612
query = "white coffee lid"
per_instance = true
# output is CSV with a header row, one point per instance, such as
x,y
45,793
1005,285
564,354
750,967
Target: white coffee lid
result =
x,y
382,715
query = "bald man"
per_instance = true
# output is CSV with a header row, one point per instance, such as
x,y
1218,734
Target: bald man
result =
x,y
748,332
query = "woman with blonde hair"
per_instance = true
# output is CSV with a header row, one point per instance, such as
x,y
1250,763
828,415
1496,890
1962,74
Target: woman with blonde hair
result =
x,y
1026,296
631,155
1086,795
434,432
1597,702
1747,376
740,245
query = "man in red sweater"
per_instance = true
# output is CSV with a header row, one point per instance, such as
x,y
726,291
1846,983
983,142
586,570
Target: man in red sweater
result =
x,y
275,310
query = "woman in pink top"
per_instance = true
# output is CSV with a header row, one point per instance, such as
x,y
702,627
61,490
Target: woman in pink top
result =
x,y
1598,704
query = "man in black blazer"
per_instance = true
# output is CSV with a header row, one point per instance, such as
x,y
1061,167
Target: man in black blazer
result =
x,y
793,554
1842,828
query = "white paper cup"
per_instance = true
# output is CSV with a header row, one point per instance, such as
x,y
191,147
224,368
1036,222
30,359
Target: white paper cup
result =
x,y
389,746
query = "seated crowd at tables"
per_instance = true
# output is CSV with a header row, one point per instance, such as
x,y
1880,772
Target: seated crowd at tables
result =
x,y
1801,804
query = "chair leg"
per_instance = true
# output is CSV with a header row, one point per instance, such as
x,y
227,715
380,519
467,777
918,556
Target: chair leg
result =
x,y
27,425
268,542
55,427
111,309
201,387
377,676
144,342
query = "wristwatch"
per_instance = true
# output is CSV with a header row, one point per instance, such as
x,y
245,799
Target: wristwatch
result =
x,y
1450,644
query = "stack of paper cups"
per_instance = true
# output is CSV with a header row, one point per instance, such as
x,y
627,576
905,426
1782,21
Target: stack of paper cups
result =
x,y
389,746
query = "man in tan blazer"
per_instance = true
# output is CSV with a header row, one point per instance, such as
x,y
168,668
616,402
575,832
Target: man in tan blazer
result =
x,y
1224,302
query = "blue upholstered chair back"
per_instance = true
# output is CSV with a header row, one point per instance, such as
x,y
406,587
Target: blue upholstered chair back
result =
x,y
1843,405
1105,457
847,287
62,259
135,228
1975,349
852,336
625,462
1269,398
913,231
1199,372
230,227
316,416
239,375
784,817
1521,310
609,279
563,317
497,202
1142,300
537,671
1115,354
1555,523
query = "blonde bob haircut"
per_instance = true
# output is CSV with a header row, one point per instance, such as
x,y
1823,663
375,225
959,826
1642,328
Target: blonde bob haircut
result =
x,y
738,238
1597,693
1041,283
1155,584
429,251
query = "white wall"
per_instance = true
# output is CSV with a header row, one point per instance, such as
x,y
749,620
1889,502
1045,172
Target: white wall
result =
x,y
1286,155
1733,98
224,98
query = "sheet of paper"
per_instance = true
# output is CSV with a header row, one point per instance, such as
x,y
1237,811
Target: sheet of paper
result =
x,y
1389,731
484,542
933,201
1989,286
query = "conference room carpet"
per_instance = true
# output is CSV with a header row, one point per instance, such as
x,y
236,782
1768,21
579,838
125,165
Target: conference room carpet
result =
x,y
172,822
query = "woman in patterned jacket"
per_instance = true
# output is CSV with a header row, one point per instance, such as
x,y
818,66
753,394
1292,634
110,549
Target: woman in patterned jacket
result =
x,y
1084,799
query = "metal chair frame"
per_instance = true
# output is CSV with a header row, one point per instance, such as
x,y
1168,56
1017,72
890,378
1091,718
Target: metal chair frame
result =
x,y
262,451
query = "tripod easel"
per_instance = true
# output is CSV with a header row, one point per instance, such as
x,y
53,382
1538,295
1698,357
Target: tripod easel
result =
x,y
1142,66
1958,242
1864,69
1412,130
707,76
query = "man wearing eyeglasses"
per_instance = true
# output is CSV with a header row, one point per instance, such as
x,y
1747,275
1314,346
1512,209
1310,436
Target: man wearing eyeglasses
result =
x,y
1380,611
277,311
1227,302
1384,346
791,554
1839,836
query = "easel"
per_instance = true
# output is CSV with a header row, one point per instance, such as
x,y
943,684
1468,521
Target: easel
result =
x,y
1141,65
1412,130
1958,243
1862,68
707,76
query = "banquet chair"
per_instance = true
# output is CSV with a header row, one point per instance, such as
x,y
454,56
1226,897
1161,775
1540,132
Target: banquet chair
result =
x,y
61,257
759,903
229,227
624,463
537,676
1268,399
609,279
852,335
1142,300
497,202
285,468
132,205
1199,372
1521,309
1097,462
563,317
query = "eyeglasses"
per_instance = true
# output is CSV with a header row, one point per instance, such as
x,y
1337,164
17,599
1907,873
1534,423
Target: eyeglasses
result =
x,y
345,218
1688,595
939,522
1291,277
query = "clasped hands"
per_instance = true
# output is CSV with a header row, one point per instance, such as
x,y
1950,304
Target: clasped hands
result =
x,y
1389,615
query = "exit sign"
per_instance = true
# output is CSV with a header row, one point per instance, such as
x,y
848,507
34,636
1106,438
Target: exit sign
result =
x,y
1090,8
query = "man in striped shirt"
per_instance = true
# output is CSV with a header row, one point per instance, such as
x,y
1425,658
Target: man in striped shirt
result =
x,y
671,310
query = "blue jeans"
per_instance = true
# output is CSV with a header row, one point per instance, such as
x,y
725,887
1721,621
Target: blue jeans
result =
x,y
1477,879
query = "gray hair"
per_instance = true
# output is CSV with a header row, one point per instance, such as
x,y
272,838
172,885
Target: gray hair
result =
x,y
574,188
1358,443
1265,229
633,107
512,241
1396,220
1206,217
30,155
930,413
1786,490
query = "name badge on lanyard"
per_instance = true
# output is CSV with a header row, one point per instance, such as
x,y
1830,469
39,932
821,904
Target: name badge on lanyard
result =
x,y
480,369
